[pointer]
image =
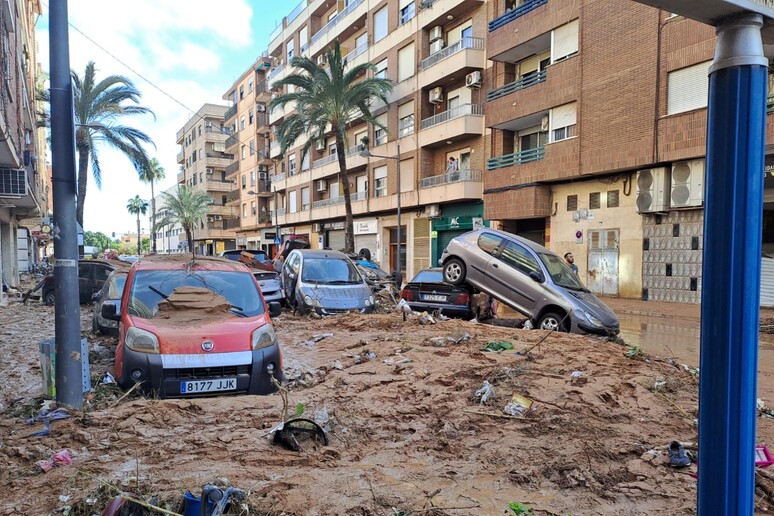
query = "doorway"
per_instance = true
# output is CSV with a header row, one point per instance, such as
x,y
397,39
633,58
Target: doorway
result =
x,y
603,261
394,250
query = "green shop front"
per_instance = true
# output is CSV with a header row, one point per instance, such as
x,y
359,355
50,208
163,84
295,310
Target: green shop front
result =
x,y
457,219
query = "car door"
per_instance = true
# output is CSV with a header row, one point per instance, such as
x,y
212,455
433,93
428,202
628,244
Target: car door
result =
x,y
290,274
478,263
85,280
101,274
511,271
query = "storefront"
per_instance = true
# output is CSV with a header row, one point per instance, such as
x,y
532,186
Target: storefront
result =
x,y
334,235
457,219
365,236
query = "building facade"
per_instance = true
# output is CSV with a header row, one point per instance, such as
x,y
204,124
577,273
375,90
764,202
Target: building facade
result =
x,y
203,160
169,239
23,179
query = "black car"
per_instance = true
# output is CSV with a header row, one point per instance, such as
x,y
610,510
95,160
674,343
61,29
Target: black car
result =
x,y
428,292
92,275
112,290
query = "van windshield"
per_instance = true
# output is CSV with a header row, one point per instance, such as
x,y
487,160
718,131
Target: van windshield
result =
x,y
237,288
330,271
561,273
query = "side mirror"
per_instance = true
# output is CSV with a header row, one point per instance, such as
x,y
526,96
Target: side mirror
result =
x,y
95,297
537,277
110,311
275,309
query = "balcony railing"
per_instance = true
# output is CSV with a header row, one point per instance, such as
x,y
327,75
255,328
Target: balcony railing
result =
x,y
181,177
359,196
274,144
276,178
261,87
276,71
354,53
230,113
232,196
217,185
328,202
516,158
462,44
275,33
450,177
296,11
330,158
451,114
232,167
524,82
514,13
217,130
281,211
339,16
231,223
232,140
180,156
770,104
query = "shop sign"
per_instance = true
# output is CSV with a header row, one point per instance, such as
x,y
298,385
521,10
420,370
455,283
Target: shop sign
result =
x,y
478,222
365,227
288,231
241,240
333,226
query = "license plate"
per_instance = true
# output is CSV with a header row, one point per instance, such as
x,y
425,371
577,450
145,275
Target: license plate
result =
x,y
196,386
434,297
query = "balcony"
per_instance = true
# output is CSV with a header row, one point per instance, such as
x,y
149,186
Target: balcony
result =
x,y
232,167
358,196
463,57
466,119
516,158
517,12
276,71
354,53
219,209
462,44
262,93
219,160
278,113
450,177
213,185
454,186
232,140
276,178
274,149
524,82
232,198
230,113
181,157
339,16
319,163
328,202
181,177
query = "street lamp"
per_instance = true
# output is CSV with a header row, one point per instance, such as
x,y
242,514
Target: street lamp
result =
x,y
365,153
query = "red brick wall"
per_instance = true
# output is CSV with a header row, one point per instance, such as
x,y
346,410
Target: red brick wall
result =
x,y
534,201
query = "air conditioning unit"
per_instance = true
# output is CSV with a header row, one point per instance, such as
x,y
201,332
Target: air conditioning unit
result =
x,y
436,46
13,182
320,145
260,108
218,217
436,33
322,60
436,95
474,79
687,183
322,185
433,211
263,168
544,123
263,175
210,171
653,190
210,219
208,124
316,227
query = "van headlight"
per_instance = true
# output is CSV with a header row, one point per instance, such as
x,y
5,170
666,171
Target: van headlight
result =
x,y
369,301
263,337
141,340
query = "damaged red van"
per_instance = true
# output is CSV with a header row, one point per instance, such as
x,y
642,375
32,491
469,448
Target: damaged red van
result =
x,y
194,328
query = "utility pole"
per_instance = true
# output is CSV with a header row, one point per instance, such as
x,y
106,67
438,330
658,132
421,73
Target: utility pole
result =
x,y
67,310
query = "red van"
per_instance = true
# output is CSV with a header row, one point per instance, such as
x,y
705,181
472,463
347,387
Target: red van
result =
x,y
194,327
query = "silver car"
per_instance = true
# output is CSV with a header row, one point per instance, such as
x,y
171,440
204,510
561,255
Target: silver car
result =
x,y
270,285
529,278
324,281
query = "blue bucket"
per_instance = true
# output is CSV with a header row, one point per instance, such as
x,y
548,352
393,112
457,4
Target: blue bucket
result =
x,y
193,505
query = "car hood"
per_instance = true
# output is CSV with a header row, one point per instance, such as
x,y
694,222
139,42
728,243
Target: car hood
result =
x,y
589,302
338,296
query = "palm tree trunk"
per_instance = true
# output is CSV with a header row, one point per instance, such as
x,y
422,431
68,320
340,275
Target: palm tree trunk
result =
x,y
189,237
83,174
139,240
153,218
349,226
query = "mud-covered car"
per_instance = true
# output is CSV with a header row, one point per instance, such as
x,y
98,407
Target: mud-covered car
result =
x,y
112,290
92,275
195,327
270,285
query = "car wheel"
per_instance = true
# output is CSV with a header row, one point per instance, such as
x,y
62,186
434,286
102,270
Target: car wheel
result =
x,y
49,298
553,321
454,272
298,308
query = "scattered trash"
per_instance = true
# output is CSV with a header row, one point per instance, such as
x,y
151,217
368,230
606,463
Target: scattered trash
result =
x,y
578,378
107,378
364,357
518,406
315,339
763,458
763,410
64,498
694,371
426,318
659,384
390,361
633,351
460,338
405,308
438,342
323,418
288,433
497,345
677,456
46,416
441,317
61,458
337,365
486,392
528,325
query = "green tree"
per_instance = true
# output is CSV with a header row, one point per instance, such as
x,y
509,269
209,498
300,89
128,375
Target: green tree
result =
x,y
137,206
186,207
152,173
99,107
334,96
97,239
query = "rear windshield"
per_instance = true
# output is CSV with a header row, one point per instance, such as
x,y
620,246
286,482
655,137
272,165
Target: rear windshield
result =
x,y
150,287
116,286
329,271
234,255
428,277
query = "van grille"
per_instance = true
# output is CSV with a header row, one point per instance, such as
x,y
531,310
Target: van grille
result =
x,y
206,372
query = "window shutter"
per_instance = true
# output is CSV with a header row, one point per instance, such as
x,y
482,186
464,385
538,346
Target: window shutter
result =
x,y
688,88
407,175
563,116
303,36
421,244
404,3
406,109
380,172
565,41
305,196
406,66
380,24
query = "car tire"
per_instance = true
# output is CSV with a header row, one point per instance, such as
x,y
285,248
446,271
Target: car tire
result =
x,y
49,298
298,308
454,272
553,321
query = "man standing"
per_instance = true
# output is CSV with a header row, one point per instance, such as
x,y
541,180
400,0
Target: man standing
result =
x,y
452,169
570,259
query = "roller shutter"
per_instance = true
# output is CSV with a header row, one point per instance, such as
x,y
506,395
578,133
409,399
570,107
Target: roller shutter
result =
x,y
335,240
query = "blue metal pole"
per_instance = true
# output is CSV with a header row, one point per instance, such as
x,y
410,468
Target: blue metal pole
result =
x,y
736,126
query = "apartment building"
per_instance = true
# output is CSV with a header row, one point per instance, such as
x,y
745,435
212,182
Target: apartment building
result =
x,y
168,238
203,160
433,52
23,179
248,122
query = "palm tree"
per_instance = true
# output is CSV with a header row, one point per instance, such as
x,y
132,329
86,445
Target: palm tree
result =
x,y
98,109
150,174
329,96
137,206
187,207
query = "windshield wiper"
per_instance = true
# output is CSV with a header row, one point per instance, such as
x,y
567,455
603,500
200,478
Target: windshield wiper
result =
x,y
578,289
339,282
157,291
237,310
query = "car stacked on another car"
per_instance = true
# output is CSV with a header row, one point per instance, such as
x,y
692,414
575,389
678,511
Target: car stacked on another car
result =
x,y
529,278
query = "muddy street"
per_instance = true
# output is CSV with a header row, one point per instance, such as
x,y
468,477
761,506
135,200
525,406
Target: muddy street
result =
x,y
406,429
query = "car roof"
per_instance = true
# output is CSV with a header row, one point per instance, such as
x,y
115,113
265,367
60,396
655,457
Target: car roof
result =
x,y
180,261
320,253
239,251
523,241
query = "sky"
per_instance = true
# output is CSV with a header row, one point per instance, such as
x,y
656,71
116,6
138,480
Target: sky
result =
x,y
192,50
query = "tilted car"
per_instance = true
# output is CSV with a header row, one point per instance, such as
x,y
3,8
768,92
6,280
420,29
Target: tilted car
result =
x,y
260,258
195,327
427,291
270,285
112,290
529,278
92,275
324,281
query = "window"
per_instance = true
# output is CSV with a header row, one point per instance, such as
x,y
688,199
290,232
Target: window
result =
x,y
572,203
250,84
533,140
241,92
201,153
565,41
333,189
489,243
244,151
687,88
252,178
193,157
251,116
242,123
380,134
406,12
252,208
563,119
612,198
252,147
244,210
292,198
406,66
594,200
380,181
362,184
305,199
292,165
519,258
380,24
291,50
406,118
381,69
305,162
244,181
331,148
303,39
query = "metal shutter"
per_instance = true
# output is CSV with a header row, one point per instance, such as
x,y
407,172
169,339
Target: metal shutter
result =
x,y
444,237
23,248
421,244
563,116
688,88
367,242
380,24
407,175
336,240
565,41
767,281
